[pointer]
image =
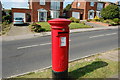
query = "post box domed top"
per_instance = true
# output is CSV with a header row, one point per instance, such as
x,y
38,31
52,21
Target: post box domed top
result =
x,y
59,22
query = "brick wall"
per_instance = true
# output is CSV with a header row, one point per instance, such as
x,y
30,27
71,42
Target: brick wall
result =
x,y
36,6
19,10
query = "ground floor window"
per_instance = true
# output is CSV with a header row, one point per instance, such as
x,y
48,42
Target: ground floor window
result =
x,y
55,14
98,14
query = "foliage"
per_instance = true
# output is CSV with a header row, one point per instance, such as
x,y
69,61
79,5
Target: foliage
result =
x,y
77,20
7,18
89,20
3,13
72,19
67,8
107,21
110,12
97,18
116,20
101,19
36,28
5,28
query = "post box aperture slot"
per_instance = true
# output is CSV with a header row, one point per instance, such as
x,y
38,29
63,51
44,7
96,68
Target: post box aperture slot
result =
x,y
62,32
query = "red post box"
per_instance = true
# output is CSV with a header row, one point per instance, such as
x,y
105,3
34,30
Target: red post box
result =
x,y
60,47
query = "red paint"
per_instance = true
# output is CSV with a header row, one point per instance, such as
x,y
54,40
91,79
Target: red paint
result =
x,y
59,53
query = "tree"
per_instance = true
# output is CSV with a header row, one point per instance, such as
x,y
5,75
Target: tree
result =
x,y
110,12
67,8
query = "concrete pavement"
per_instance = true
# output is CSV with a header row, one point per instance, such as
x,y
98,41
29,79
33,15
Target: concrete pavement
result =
x,y
34,35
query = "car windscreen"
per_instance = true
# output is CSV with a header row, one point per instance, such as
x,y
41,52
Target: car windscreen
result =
x,y
18,18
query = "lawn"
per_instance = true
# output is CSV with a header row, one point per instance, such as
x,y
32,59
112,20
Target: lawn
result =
x,y
46,25
90,67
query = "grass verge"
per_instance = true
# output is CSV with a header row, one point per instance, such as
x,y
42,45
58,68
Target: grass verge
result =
x,y
90,67
46,25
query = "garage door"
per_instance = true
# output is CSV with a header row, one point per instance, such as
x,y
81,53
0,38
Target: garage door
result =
x,y
76,15
20,15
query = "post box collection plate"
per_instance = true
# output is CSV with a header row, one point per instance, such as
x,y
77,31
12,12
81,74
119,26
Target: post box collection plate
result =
x,y
63,41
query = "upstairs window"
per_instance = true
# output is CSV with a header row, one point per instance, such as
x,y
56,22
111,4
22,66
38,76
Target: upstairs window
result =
x,y
55,5
78,4
91,3
42,2
99,6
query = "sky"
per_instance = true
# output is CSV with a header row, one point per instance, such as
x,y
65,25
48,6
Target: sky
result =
x,y
8,4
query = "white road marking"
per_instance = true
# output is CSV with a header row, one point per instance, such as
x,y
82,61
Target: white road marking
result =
x,y
30,46
33,46
102,35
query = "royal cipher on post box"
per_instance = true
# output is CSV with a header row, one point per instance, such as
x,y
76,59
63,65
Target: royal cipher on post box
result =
x,y
60,46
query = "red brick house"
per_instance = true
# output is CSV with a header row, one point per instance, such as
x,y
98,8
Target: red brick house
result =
x,y
85,9
40,10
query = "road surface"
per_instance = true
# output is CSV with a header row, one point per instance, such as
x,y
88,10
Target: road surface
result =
x,y
22,56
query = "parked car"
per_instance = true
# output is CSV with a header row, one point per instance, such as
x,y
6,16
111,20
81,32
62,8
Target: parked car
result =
x,y
18,21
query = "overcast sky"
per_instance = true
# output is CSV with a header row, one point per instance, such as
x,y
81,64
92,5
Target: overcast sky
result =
x,y
8,4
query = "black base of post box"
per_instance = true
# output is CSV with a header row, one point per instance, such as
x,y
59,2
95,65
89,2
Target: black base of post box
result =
x,y
60,75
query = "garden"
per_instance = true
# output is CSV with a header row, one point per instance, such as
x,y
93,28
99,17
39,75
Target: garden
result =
x,y
109,15
45,26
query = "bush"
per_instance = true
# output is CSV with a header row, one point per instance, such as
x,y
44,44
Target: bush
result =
x,y
89,20
101,19
110,12
77,20
97,18
72,19
107,21
116,20
113,23
37,28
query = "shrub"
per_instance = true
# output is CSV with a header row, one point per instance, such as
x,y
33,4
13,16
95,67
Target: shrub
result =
x,y
77,20
72,19
97,18
89,20
113,23
110,12
101,19
107,21
37,28
116,20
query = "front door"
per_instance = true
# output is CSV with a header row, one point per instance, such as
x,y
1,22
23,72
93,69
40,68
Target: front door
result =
x,y
42,16
91,15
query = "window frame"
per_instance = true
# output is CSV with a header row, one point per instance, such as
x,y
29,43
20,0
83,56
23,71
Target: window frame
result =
x,y
42,2
92,4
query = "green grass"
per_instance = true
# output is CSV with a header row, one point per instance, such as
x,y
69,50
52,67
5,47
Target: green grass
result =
x,y
46,25
91,67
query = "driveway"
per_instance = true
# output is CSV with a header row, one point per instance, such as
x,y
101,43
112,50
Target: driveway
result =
x,y
19,30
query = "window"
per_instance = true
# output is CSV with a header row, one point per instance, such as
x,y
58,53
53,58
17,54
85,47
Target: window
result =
x,y
91,3
78,4
99,6
55,14
42,2
55,5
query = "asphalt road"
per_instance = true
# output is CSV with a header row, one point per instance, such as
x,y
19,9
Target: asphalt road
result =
x,y
22,56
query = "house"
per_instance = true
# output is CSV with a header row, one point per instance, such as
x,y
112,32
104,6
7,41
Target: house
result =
x,y
0,12
40,10
85,9
118,3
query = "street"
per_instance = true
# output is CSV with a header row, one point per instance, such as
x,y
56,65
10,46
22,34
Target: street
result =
x,y
22,56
